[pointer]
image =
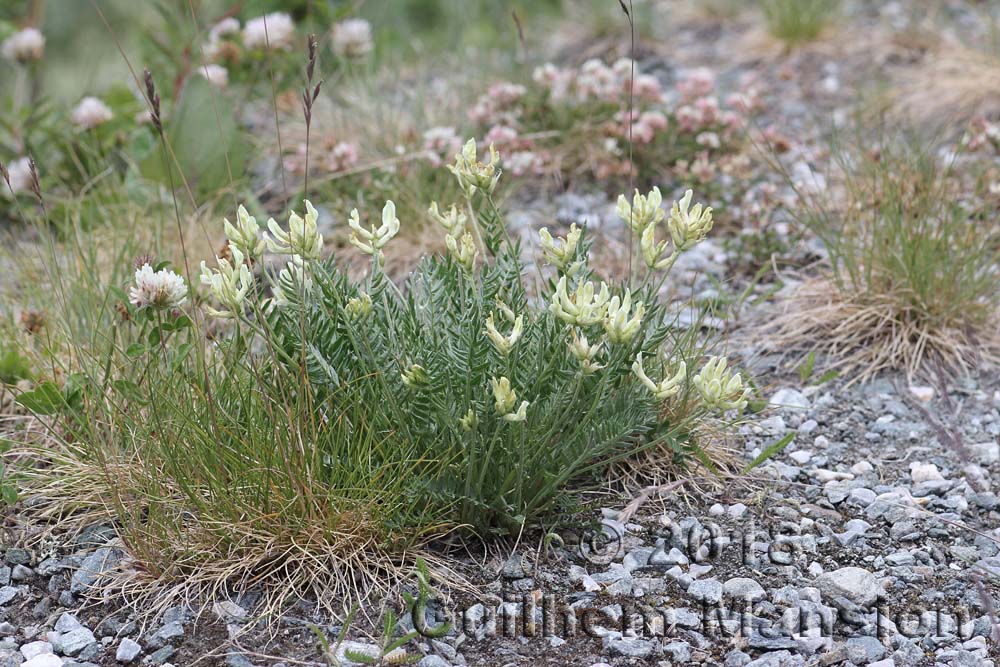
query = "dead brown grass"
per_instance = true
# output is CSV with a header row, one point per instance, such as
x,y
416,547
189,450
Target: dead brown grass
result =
x,y
195,561
867,335
950,86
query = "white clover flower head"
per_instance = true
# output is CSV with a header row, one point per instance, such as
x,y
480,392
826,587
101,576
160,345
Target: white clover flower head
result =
x,y
719,387
474,175
160,290
469,421
667,387
227,26
25,45
414,376
504,344
441,142
271,31
585,353
229,283
90,113
562,254
294,282
462,251
371,241
352,38
689,226
302,237
19,172
452,220
244,234
644,211
618,324
582,307
217,75
505,398
359,307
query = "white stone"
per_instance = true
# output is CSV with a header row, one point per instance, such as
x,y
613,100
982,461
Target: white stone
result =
x,y
44,660
861,467
985,452
925,472
789,398
922,394
32,649
854,583
128,650
801,456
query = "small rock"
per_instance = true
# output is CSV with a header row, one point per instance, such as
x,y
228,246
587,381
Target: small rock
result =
x,y
227,610
514,567
21,573
68,622
630,647
159,656
862,467
863,650
985,453
72,642
7,593
737,510
16,556
856,584
705,590
743,588
922,394
234,659
44,660
435,661
93,567
128,650
801,456
31,649
925,472
788,398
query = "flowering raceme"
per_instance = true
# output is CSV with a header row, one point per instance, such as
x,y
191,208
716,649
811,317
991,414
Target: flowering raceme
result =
x,y
229,283
160,290
371,241
474,175
669,386
644,211
581,307
505,398
302,237
560,255
244,234
504,344
462,250
689,226
585,353
618,325
719,387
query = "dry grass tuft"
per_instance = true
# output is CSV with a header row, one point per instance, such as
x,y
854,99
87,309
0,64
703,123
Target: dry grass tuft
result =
x,y
865,336
953,84
913,265
198,559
